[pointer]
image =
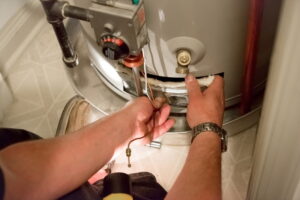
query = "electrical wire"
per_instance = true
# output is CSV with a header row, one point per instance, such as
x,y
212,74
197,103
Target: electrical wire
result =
x,y
151,98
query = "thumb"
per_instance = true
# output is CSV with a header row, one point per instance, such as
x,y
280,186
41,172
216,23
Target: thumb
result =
x,y
193,88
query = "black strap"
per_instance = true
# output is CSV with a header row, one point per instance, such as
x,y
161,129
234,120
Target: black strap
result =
x,y
10,136
1,185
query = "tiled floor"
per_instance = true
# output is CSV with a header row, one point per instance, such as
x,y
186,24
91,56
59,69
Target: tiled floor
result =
x,y
167,162
41,89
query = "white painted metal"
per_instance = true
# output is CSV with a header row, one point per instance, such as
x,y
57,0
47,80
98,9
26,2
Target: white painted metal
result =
x,y
213,31
215,34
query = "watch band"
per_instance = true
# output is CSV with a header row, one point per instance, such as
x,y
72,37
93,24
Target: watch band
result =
x,y
211,127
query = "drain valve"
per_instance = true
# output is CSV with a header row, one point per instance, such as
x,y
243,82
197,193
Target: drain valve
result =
x,y
184,58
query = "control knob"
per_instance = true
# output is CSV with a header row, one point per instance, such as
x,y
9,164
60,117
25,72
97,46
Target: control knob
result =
x,y
114,48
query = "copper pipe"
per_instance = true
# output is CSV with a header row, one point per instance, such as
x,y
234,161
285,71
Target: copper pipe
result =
x,y
254,25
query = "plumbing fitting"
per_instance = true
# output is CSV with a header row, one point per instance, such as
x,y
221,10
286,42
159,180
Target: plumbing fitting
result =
x,y
184,58
56,11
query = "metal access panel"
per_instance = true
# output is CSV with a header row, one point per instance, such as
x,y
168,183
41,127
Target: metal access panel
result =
x,y
124,21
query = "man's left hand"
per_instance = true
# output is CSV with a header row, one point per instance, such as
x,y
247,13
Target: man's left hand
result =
x,y
150,119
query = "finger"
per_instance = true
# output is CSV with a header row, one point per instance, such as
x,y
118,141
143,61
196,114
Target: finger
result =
x,y
193,88
159,117
150,125
159,102
160,130
217,86
164,113
156,117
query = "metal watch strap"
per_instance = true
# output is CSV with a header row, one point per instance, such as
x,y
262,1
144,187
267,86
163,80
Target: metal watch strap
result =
x,y
211,127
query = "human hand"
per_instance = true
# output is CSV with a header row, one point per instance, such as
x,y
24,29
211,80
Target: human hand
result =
x,y
207,106
141,111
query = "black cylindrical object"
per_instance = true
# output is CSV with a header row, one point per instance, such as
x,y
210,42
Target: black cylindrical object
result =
x,y
48,6
53,10
117,183
63,40
77,13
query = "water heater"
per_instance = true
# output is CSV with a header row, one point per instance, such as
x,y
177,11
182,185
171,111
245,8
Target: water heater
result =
x,y
210,36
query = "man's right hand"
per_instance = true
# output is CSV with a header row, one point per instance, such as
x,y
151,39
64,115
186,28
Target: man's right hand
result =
x,y
200,177
207,106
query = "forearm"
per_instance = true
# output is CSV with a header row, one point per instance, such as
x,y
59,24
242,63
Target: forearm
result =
x,y
51,168
200,177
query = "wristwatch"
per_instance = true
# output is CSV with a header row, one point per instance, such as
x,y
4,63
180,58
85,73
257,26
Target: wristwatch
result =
x,y
211,127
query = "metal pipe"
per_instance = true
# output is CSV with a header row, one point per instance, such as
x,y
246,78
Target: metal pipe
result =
x,y
50,11
53,9
154,144
184,59
76,12
137,81
254,24
63,40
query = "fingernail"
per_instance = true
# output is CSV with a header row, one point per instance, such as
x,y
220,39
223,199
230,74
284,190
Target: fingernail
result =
x,y
173,119
189,78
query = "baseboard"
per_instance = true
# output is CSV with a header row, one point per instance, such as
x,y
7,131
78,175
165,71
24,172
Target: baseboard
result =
x,y
6,97
18,32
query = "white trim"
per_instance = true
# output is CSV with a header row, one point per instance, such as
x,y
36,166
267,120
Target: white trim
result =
x,y
6,97
18,32
276,169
